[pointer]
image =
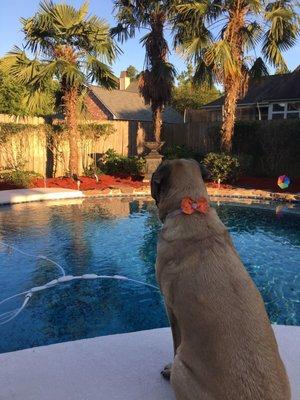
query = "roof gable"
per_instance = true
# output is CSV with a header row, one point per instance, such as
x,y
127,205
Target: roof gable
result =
x,y
127,105
269,88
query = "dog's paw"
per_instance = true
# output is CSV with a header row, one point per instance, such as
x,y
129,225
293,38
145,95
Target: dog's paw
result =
x,y
166,372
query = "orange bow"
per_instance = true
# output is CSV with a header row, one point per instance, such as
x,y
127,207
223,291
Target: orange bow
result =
x,y
189,206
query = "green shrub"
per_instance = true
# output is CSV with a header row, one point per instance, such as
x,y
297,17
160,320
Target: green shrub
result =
x,y
114,163
91,171
22,179
177,151
222,166
273,145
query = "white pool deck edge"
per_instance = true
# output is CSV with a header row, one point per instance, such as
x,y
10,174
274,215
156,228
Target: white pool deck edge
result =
x,y
16,196
116,367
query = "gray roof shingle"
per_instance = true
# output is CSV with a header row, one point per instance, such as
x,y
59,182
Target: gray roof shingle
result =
x,y
130,106
133,86
269,88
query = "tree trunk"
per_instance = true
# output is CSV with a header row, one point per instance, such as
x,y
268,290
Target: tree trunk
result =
x,y
157,122
235,83
70,108
228,116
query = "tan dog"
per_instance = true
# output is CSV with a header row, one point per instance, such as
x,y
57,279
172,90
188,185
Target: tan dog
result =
x,y
224,346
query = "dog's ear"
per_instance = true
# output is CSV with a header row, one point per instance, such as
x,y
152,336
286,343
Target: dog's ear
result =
x,y
159,180
205,172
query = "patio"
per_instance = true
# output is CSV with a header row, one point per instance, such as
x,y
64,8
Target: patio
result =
x,y
117,367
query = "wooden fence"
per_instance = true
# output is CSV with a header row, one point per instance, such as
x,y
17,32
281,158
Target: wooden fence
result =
x,y
31,149
273,146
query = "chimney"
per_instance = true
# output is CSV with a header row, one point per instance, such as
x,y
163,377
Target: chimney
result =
x,y
124,81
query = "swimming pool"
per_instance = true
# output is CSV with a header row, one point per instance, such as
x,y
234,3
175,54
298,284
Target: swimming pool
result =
x,y
118,237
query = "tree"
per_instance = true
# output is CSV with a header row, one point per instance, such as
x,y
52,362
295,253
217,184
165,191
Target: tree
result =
x,y
13,97
217,35
157,80
132,72
72,48
10,96
192,95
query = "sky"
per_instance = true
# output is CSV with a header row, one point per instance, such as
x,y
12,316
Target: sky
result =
x,y
133,52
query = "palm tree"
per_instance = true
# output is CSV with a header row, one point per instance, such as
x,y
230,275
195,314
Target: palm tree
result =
x,y
218,35
157,79
70,47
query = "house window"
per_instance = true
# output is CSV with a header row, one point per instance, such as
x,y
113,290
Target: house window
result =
x,y
293,110
284,111
261,112
278,110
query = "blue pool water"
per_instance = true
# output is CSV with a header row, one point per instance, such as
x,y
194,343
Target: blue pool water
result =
x,y
119,237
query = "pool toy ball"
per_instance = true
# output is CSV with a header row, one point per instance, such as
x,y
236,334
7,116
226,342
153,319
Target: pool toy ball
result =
x,y
283,181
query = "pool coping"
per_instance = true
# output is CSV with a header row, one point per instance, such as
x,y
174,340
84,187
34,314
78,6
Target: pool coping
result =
x,y
16,196
115,367
239,193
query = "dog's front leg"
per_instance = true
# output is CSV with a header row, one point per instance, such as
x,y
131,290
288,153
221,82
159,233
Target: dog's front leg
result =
x,y
166,372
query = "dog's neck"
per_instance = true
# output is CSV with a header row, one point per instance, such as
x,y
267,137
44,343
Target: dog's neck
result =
x,y
171,202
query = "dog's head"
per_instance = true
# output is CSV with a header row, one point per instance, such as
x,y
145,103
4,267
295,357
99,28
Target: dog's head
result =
x,y
173,180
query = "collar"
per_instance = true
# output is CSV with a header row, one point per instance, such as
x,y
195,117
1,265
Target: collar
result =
x,y
189,206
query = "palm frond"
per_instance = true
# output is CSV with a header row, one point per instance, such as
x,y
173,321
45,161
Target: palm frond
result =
x,y
251,35
129,19
60,24
100,73
194,11
20,67
63,16
220,59
83,10
156,85
122,32
255,5
70,74
282,33
204,74
35,100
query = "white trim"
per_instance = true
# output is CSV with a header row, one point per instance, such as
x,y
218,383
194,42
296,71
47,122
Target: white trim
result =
x,y
284,112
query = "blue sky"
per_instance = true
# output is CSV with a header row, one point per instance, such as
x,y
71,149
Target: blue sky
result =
x,y
10,33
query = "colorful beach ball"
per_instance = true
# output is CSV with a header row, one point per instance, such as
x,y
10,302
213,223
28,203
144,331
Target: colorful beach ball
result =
x,y
283,182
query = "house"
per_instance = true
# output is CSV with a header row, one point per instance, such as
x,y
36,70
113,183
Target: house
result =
x,y
125,104
268,98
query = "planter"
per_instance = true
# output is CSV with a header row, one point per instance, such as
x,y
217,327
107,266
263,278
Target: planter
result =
x,y
153,159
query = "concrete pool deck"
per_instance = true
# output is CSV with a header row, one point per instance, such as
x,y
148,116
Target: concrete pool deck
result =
x,y
117,367
16,196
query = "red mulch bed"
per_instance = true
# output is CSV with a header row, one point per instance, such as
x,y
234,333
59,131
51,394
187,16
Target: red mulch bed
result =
x,y
105,182
118,182
269,184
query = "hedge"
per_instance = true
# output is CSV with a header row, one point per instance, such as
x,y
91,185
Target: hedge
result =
x,y
270,148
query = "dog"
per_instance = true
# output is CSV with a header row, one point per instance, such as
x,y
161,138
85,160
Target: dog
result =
x,y
224,346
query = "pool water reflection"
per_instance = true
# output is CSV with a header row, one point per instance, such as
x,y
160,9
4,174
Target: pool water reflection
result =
x,y
117,236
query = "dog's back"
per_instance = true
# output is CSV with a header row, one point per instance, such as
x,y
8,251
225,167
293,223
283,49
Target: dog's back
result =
x,y
227,349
